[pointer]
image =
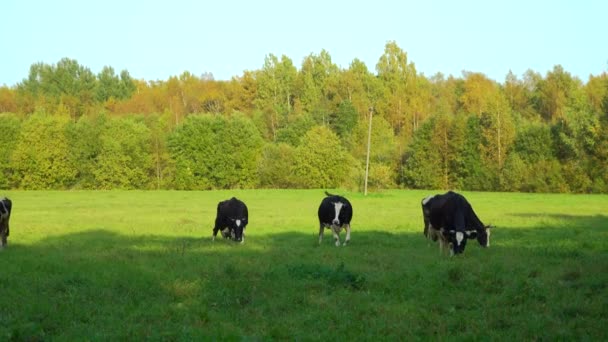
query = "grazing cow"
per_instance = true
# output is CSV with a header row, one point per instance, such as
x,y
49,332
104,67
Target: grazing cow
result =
x,y
335,212
232,218
5,215
450,219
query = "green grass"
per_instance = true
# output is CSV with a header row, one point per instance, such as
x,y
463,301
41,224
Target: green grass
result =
x,y
141,266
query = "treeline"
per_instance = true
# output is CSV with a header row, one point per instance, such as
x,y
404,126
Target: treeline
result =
x,y
283,127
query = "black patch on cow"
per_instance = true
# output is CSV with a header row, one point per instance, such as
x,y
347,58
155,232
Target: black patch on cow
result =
x,y
232,215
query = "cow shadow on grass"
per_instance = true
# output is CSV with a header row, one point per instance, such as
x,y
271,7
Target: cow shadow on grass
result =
x,y
104,285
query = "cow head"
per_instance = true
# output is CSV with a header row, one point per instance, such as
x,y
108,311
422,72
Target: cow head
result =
x,y
458,241
237,226
483,236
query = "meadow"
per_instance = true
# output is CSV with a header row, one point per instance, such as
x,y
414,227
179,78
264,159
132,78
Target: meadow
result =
x,y
140,265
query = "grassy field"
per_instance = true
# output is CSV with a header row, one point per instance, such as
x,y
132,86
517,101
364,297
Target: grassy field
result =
x,y
141,266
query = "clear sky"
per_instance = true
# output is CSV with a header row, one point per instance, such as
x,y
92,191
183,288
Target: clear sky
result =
x,y
154,40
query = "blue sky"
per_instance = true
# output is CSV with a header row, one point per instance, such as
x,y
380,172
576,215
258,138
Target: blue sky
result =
x,y
154,40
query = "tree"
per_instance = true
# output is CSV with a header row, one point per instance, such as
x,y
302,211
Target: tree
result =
x,y
111,86
317,83
498,132
41,157
519,95
478,92
124,160
421,169
276,166
358,86
10,127
383,153
213,152
65,84
293,133
321,162
467,167
84,140
597,90
555,93
398,78
8,100
164,168
344,119
276,91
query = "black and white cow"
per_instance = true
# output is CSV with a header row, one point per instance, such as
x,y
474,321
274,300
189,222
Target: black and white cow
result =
x,y
231,219
335,212
450,219
5,214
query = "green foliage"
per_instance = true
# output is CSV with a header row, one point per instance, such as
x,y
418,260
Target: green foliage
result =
x,y
534,142
276,166
276,88
41,159
110,85
124,160
383,147
321,161
293,133
483,136
9,128
344,119
420,164
515,174
85,146
164,168
381,176
213,152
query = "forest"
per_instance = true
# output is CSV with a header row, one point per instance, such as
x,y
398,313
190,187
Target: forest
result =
x,y
284,126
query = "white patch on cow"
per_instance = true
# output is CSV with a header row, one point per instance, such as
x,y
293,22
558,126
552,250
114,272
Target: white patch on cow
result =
x,y
337,207
459,238
488,242
427,199
238,223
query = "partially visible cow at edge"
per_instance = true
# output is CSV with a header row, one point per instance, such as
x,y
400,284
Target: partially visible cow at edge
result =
x,y
5,215
450,219
231,219
335,212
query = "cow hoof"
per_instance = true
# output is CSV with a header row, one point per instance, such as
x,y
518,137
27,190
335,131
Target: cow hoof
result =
x,y
337,243
345,243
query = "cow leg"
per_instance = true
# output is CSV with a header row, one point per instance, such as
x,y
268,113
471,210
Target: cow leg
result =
x,y
321,229
347,234
214,233
336,235
3,234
